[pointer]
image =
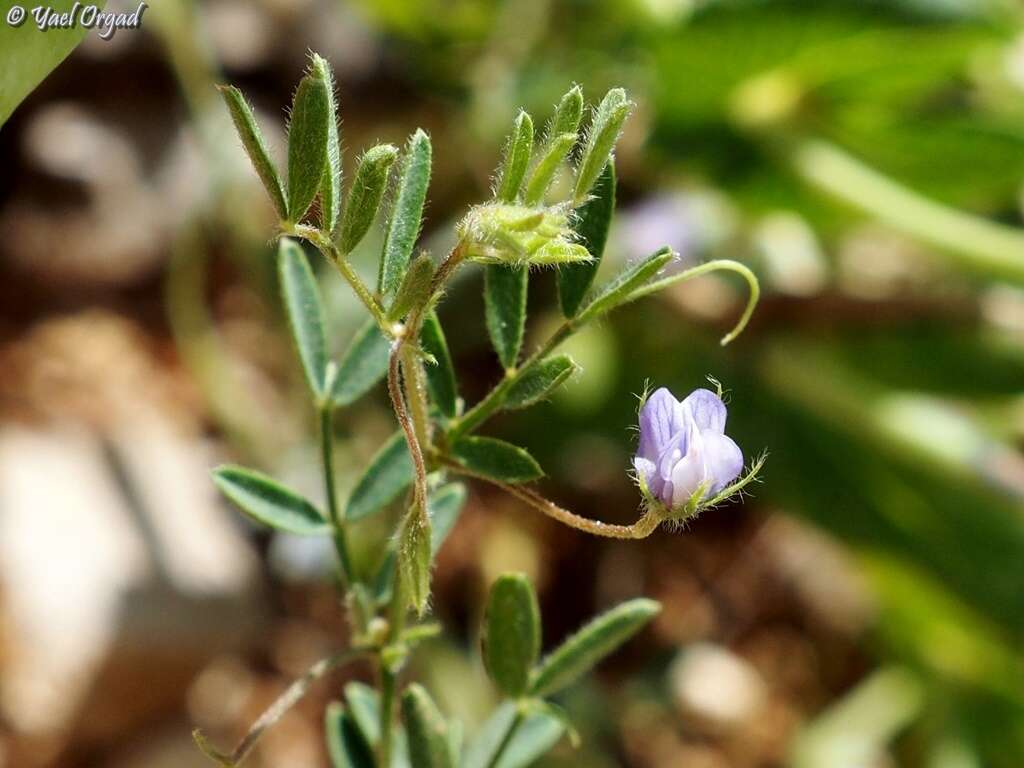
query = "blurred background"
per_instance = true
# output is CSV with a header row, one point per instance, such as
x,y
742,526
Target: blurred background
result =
x,y
865,608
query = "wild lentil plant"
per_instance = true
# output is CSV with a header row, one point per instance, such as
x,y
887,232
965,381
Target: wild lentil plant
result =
x,y
684,461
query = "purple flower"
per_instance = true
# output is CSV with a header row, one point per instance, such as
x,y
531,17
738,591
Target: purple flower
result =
x,y
683,447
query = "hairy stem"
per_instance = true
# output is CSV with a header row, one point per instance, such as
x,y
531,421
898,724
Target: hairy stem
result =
x,y
289,698
327,247
641,529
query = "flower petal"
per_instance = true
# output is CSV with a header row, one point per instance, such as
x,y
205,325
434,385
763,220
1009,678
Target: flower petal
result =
x,y
723,459
646,470
707,410
689,472
660,419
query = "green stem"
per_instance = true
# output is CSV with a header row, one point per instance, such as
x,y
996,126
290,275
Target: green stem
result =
x,y
326,246
641,529
330,491
985,246
507,738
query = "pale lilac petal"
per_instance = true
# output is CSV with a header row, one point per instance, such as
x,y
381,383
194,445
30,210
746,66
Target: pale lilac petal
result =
x,y
707,410
645,469
660,420
723,459
689,472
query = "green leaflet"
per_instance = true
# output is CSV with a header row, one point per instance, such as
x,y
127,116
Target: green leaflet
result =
x,y
578,655
560,138
346,745
365,194
364,364
618,289
415,288
518,149
551,159
537,734
505,305
496,459
30,54
440,377
539,381
389,473
407,213
252,139
330,184
268,502
593,220
305,313
426,730
609,117
511,638
307,143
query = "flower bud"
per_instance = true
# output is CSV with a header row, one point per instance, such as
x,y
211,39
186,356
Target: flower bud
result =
x,y
498,233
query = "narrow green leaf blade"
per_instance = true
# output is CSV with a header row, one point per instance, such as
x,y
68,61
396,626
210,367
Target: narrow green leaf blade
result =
x,y
609,117
426,729
345,744
407,213
252,139
511,637
617,290
593,220
496,459
307,143
364,706
568,113
505,306
581,652
305,313
539,381
268,502
518,150
389,473
364,196
415,288
364,363
544,172
441,377
330,184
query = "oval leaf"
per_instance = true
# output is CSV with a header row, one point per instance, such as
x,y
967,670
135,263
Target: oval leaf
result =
x,y
307,143
390,472
252,139
364,364
268,502
345,743
539,381
594,218
364,197
407,213
505,304
578,655
618,289
440,377
511,637
496,459
415,288
414,549
305,313
426,729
